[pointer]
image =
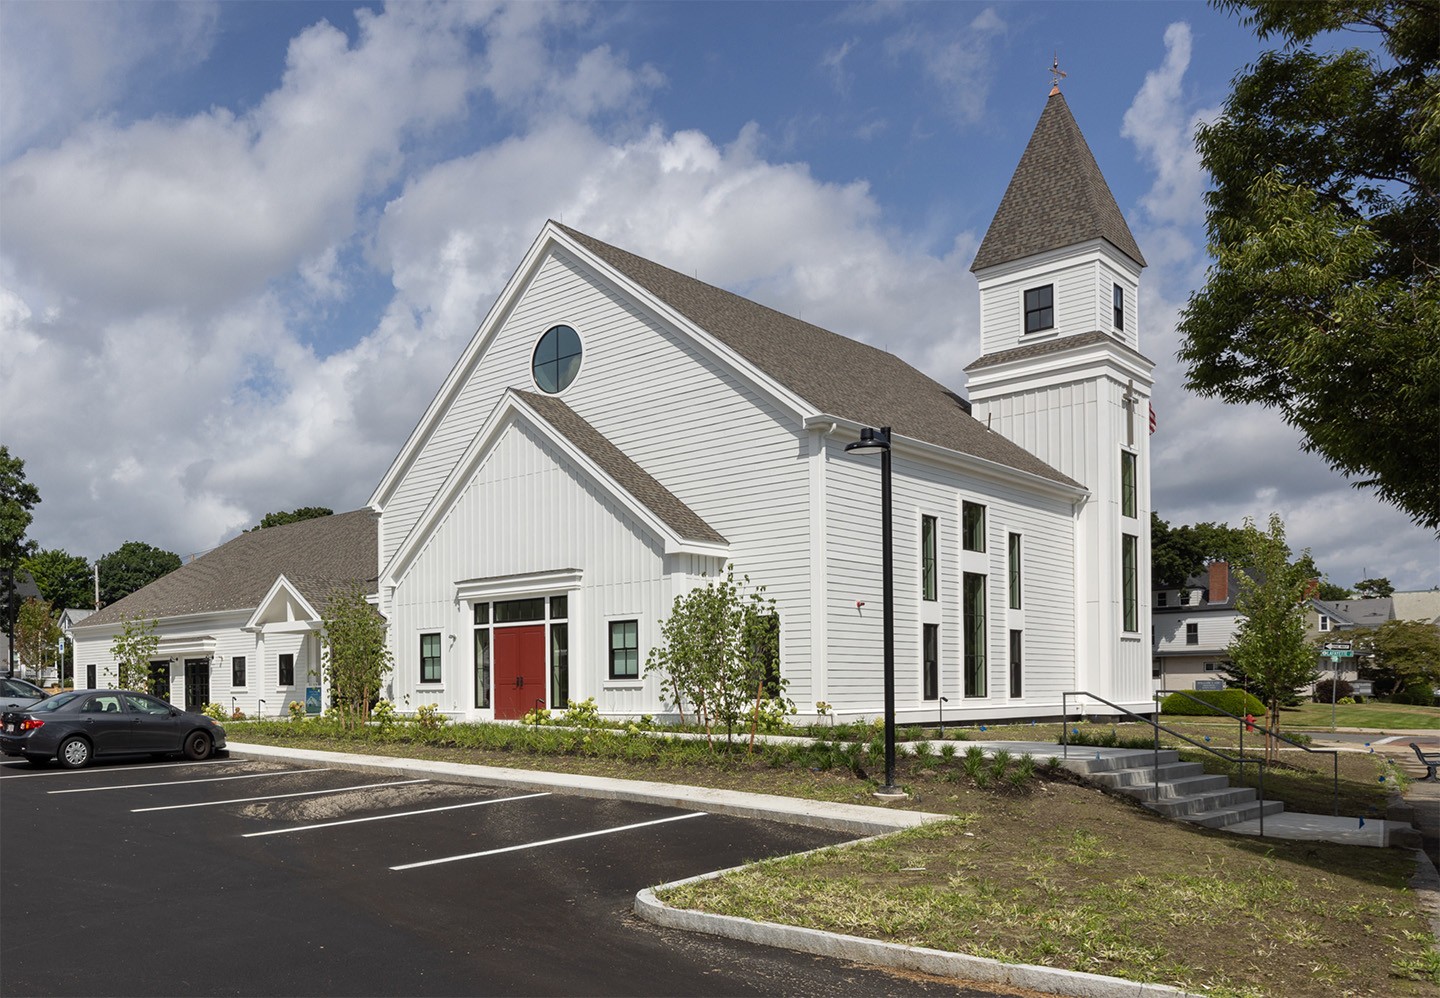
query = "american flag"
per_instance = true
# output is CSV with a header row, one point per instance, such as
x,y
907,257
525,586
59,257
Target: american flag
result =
x,y
1152,419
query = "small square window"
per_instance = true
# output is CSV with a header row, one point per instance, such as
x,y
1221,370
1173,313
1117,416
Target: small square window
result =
x,y
1119,307
624,649
1040,308
430,658
559,607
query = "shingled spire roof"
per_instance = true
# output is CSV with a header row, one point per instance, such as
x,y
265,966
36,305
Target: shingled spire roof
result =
x,y
1057,197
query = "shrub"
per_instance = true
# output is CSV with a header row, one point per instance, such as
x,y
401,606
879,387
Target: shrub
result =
x,y
214,711
1345,701
237,714
296,709
429,718
537,716
1342,691
383,714
1235,701
584,714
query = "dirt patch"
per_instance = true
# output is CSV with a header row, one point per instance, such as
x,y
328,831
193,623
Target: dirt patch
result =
x,y
349,803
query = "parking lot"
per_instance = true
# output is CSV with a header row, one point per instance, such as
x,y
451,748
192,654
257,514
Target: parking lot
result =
x,y
246,877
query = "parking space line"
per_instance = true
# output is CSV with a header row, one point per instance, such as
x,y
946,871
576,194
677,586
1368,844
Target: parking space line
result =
x,y
179,783
383,817
101,772
547,842
248,800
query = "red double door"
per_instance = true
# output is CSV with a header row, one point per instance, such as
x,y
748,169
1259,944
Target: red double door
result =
x,y
519,670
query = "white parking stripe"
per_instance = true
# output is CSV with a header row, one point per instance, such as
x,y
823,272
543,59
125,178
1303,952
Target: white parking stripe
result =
x,y
102,772
547,842
248,800
383,817
180,783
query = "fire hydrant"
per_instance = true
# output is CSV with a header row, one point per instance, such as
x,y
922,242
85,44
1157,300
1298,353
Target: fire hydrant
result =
x,y
1250,722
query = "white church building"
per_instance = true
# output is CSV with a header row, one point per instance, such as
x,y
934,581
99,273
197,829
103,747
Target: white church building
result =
x,y
617,433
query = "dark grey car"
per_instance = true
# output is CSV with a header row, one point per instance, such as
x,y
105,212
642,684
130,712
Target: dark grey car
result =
x,y
77,727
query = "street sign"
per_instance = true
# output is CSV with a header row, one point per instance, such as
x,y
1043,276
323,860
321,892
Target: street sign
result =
x,y
1339,653
1338,646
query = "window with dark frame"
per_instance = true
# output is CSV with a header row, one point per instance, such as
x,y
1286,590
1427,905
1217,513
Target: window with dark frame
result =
x,y
237,671
973,607
1130,568
1016,666
1040,308
1127,483
1119,297
556,360
1014,566
972,526
929,584
930,679
1162,598
430,657
624,649
287,670
1192,634
559,659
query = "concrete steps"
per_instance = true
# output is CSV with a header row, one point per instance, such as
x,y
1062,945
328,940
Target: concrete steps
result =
x,y
1183,791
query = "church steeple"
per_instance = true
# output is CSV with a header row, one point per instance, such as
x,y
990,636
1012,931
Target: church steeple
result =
x,y
1057,197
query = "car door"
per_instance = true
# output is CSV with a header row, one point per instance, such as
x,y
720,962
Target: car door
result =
x,y
15,695
156,728
106,722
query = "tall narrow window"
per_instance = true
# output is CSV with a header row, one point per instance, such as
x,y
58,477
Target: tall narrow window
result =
x,y
560,663
972,525
974,627
430,658
1017,687
1161,598
1130,567
1014,571
1192,634
1127,483
237,672
1119,307
287,670
930,680
624,649
928,567
1040,308
482,655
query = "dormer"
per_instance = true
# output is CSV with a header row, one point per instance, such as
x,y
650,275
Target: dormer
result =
x,y
1058,259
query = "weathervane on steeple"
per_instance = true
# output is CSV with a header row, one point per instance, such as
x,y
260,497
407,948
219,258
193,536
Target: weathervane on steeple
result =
x,y
1056,75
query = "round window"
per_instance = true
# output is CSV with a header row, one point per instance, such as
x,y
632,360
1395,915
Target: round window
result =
x,y
557,359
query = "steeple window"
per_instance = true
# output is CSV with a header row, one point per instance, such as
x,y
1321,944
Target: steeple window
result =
x,y
1040,308
1119,308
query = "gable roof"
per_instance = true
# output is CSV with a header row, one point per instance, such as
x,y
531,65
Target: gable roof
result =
x,y
319,556
835,374
1357,612
626,473
1057,197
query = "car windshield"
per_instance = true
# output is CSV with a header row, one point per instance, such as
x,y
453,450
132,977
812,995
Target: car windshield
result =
x,y
55,702
20,688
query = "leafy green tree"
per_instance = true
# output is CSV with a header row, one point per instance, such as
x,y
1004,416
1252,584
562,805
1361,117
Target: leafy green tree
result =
x,y
17,498
1177,553
1372,588
132,649
64,579
133,566
37,635
1404,659
1323,301
720,653
293,516
1269,654
357,658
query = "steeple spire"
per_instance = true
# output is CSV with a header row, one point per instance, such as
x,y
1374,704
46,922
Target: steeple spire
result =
x,y
1057,196
1056,75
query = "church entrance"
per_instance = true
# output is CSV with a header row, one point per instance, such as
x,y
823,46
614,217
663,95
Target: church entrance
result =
x,y
519,657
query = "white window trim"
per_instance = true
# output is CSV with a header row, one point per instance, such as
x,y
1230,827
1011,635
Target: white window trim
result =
x,y
627,683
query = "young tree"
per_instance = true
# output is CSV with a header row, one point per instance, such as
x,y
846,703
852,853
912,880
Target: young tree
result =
x,y
133,566
1404,659
64,579
283,517
1371,588
1323,297
357,659
1269,654
133,648
17,498
719,652
37,635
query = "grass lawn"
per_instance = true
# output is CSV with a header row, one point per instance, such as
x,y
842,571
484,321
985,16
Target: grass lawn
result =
x,y
1380,716
1036,868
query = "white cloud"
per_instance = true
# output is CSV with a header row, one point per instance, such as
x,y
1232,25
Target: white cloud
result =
x,y
957,62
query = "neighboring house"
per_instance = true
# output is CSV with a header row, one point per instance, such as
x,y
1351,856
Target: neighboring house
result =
x,y
618,432
1422,605
1193,627
239,625
1333,621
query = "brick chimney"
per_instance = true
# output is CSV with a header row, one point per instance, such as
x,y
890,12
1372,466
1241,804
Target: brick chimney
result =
x,y
1219,581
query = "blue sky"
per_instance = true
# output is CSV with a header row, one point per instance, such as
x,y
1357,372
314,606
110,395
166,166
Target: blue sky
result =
x,y
243,243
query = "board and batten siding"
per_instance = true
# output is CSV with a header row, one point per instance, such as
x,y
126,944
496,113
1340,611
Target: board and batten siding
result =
x,y
668,405
855,650
524,511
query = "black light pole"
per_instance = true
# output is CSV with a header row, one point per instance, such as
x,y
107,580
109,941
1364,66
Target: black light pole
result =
x,y
872,440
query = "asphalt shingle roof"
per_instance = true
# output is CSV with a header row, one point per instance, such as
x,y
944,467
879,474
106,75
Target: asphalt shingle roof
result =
x,y
835,374
1057,197
631,477
319,556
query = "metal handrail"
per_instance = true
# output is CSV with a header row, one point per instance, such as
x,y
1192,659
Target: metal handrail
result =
x,y
1251,724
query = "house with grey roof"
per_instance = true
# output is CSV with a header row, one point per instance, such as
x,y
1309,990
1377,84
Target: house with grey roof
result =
x,y
239,625
617,433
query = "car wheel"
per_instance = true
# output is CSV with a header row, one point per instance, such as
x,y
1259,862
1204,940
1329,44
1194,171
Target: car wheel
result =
x,y
197,745
74,753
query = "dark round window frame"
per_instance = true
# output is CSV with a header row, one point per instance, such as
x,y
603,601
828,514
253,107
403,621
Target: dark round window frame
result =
x,y
536,362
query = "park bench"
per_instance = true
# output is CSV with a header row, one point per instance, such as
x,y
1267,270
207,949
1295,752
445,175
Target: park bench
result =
x,y
1430,762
